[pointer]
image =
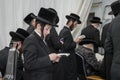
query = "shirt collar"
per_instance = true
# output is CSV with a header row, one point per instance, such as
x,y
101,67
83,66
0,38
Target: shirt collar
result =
x,y
37,32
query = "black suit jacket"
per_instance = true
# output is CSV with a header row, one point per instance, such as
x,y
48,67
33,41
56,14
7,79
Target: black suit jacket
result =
x,y
112,47
69,45
53,41
36,60
92,33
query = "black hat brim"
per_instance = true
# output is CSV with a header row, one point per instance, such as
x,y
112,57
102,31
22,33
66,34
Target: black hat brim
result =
x,y
69,17
46,21
87,42
17,36
94,21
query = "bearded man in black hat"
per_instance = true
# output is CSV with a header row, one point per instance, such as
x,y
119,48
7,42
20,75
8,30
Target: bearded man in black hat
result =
x,y
112,43
92,32
37,58
30,20
17,39
69,63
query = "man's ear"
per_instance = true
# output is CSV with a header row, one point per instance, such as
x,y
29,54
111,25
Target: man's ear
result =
x,y
38,26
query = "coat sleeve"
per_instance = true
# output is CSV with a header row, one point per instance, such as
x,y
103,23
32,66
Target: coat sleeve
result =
x,y
31,59
68,41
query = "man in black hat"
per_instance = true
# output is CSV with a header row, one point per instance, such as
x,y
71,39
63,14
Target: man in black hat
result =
x,y
92,32
37,58
54,45
17,39
69,63
112,43
30,20
108,57
52,39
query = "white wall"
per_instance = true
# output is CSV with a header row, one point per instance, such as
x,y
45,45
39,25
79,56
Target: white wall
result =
x,y
12,13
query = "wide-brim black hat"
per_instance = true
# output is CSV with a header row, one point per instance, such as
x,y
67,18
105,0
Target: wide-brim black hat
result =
x,y
73,16
19,35
95,20
115,6
29,18
87,41
47,16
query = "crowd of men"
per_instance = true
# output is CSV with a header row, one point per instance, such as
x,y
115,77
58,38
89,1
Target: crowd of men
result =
x,y
41,51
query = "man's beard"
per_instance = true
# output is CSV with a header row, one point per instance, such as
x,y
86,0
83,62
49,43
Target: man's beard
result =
x,y
72,27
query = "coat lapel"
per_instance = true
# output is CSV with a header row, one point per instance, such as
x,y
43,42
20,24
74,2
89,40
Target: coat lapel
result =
x,y
40,40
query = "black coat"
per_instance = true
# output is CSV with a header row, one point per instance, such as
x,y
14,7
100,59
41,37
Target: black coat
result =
x,y
92,33
3,63
37,63
69,63
3,59
106,64
104,33
112,47
30,29
53,41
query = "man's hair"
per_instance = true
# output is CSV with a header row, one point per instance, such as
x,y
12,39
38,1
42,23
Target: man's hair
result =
x,y
39,22
42,24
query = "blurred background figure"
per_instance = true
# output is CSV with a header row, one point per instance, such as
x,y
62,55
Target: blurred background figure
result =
x,y
30,20
17,39
92,32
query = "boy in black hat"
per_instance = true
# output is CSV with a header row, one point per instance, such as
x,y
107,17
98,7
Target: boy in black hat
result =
x,y
30,20
37,57
17,39
92,32
69,63
112,44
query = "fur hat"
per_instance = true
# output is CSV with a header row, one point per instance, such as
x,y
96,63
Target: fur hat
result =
x,y
29,18
47,16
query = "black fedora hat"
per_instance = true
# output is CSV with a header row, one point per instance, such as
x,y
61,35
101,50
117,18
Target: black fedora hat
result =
x,y
73,16
29,18
96,20
19,35
47,16
87,41
115,6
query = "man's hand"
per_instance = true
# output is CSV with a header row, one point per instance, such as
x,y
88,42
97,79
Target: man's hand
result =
x,y
54,57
